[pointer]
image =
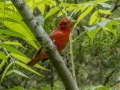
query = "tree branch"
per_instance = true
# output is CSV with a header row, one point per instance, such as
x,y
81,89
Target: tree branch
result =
x,y
108,77
47,44
115,83
114,7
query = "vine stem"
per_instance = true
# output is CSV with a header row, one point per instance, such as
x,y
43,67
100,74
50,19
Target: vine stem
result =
x,y
72,59
79,36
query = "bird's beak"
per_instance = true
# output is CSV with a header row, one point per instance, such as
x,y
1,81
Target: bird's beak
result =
x,y
72,22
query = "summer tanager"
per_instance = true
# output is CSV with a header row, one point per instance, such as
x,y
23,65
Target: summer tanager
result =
x,y
60,37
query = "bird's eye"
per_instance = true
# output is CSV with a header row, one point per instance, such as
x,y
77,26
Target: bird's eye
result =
x,y
65,23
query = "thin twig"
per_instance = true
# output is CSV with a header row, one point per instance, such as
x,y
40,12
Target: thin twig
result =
x,y
86,82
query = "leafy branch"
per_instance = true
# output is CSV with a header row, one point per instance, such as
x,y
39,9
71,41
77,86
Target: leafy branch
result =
x,y
47,44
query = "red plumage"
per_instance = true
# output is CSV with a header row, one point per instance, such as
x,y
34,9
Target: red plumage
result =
x,y
60,37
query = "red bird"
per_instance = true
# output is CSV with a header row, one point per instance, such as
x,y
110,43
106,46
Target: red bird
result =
x,y
60,37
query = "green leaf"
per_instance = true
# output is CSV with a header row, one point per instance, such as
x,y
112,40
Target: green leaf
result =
x,y
92,31
89,9
38,66
59,14
51,3
42,8
4,73
8,19
13,43
64,4
9,72
17,72
28,68
2,64
13,21
90,28
105,11
94,18
105,5
71,8
52,11
25,60
109,27
18,28
11,49
23,30
16,34
85,6
40,4
3,56
102,24
12,33
79,7
114,22
100,87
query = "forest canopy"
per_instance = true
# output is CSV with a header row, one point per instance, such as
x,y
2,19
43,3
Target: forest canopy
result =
x,y
91,55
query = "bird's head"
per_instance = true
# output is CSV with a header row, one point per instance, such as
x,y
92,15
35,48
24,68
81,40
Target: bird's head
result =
x,y
66,24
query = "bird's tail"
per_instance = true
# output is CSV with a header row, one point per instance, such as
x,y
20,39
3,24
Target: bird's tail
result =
x,y
32,62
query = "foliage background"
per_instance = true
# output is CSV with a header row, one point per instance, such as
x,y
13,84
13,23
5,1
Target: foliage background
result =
x,y
92,55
